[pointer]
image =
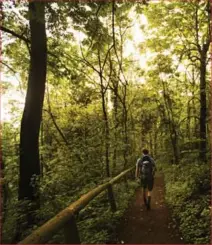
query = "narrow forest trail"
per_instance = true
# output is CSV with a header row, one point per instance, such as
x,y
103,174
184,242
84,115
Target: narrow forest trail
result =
x,y
149,227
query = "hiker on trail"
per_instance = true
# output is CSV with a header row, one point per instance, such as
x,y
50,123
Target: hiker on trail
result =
x,y
145,169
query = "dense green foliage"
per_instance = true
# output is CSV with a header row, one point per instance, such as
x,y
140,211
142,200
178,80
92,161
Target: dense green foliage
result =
x,y
109,93
188,193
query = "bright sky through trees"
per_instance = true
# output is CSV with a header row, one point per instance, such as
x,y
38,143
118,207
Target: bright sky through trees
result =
x,y
131,49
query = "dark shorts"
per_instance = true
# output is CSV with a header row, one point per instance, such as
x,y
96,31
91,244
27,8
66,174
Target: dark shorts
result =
x,y
147,182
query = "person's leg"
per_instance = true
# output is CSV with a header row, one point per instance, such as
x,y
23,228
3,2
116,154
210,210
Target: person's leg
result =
x,y
149,200
144,190
150,187
145,196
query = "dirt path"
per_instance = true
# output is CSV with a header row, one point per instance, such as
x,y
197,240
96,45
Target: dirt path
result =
x,y
148,227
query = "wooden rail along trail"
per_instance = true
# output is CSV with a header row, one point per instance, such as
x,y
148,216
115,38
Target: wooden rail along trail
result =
x,y
66,220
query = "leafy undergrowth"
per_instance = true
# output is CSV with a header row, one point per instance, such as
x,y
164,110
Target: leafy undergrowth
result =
x,y
188,194
96,222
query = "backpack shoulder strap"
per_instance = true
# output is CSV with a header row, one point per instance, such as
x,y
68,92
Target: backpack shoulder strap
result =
x,y
146,158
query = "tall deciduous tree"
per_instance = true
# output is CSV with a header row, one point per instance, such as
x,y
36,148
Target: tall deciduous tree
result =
x,y
31,119
190,46
202,41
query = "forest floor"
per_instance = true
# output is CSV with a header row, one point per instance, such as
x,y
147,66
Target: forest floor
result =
x,y
154,226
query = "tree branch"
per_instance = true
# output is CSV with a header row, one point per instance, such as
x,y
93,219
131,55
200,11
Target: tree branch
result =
x,y
114,41
11,69
21,37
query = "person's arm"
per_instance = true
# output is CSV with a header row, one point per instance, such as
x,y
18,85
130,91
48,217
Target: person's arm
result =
x,y
154,169
137,169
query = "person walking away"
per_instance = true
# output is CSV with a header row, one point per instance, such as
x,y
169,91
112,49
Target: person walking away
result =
x,y
145,169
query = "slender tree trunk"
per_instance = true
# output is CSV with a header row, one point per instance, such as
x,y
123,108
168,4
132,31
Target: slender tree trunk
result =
x,y
203,107
107,145
119,59
115,116
155,141
188,124
172,127
150,143
104,109
31,119
125,118
203,47
133,149
175,146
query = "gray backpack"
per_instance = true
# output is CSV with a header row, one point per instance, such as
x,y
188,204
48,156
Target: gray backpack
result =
x,y
146,166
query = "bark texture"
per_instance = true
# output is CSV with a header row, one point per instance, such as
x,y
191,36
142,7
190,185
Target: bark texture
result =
x,y
31,119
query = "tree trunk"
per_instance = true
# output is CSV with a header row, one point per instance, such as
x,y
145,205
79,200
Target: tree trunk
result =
x,y
107,144
125,118
175,145
203,47
31,119
115,118
150,143
155,142
188,123
171,124
203,107
106,129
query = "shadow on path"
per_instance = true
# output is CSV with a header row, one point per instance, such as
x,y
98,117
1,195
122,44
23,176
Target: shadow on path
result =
x,y
149,227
